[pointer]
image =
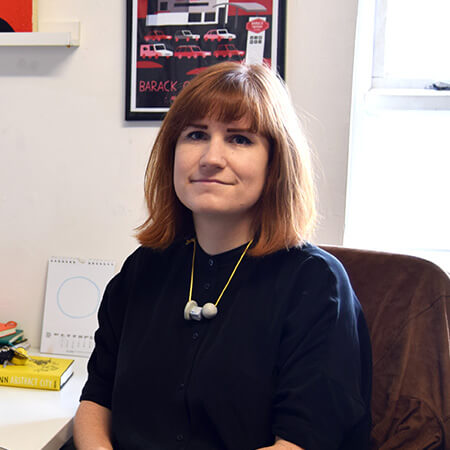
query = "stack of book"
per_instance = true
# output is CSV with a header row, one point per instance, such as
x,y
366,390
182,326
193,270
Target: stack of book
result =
x,y
12,336
36,372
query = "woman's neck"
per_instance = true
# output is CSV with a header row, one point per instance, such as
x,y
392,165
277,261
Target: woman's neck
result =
x,y
219,234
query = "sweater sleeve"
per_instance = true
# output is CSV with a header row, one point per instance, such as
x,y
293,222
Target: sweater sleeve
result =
x,y
324,362
103,360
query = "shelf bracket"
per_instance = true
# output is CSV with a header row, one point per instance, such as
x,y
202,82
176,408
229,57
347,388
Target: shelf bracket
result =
x,y
72,28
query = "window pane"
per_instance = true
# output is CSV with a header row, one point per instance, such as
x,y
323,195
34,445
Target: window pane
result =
x,y
194,17
399,185
417,40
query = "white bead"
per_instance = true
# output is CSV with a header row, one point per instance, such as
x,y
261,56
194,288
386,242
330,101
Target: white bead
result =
x,y
187,309
209,311
196,313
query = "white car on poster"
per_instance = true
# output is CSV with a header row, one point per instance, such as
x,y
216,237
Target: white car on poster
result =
x,y
155,51
186,35
219,35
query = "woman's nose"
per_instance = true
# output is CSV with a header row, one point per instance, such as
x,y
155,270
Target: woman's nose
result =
x,y
213,152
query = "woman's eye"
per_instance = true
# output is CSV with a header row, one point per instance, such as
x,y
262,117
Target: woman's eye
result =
x,y
196,135
240,140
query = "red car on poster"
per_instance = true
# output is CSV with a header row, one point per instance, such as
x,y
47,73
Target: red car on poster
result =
x,y
157,35
190,51
227,51
218,35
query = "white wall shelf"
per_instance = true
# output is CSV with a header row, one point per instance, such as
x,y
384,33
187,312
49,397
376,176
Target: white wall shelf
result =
x,y
64,34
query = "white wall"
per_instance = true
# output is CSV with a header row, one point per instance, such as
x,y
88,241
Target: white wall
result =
x,y
71,168
320,48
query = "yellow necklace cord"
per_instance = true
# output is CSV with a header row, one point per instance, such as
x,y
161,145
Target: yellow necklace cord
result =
x,y
192,269
229,279
232,273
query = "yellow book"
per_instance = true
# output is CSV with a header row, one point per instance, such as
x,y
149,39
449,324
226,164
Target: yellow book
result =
x,y
38,373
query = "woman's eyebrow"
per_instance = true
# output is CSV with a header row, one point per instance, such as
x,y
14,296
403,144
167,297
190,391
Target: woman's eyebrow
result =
x,y
197,125
239,130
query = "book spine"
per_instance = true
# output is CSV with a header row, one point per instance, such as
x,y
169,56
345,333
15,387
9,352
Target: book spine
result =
x,y
47,382
18,337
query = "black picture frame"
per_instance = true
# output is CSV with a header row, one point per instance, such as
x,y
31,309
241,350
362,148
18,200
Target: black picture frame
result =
x,y
208,33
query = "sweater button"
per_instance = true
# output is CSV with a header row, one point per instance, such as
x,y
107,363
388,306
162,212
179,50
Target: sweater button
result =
x,y
195,335
180,437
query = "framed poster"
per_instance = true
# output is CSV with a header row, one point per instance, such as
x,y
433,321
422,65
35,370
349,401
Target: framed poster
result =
x,y
18,16
170,41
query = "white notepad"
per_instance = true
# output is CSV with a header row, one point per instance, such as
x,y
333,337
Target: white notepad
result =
x,y
72,297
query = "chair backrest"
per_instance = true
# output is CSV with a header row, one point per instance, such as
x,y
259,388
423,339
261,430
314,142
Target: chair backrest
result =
x,y
406,301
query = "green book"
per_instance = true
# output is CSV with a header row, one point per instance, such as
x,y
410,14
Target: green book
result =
x,y
12,339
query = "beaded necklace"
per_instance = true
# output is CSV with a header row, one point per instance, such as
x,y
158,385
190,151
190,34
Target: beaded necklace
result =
x,y
208,310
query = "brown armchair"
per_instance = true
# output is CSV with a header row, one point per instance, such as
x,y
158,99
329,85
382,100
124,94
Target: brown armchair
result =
x,y
406,301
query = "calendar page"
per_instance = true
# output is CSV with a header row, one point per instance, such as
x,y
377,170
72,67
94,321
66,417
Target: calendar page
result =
x,y
72,297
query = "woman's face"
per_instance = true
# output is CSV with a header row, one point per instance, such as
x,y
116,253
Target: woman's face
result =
x,y
220,168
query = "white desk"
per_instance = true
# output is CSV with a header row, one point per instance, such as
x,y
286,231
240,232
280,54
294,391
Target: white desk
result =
x,y
35,419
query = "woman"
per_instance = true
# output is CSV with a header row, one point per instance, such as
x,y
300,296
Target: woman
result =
x,y
226,329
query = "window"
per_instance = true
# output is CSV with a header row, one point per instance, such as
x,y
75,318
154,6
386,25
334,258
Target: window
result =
x,y
210,17
194,17
163,6
184,4
412,43
398,190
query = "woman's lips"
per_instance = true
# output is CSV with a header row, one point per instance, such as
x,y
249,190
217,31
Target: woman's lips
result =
x,y
209,181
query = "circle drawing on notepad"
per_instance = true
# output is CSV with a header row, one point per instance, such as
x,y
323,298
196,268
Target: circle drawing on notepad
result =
x,y
78,297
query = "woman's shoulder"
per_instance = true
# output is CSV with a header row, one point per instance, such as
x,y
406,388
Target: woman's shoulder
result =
x,y
314,273
311,259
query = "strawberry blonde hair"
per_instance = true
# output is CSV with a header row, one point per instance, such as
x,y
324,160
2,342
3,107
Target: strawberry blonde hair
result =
x,y
285,214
